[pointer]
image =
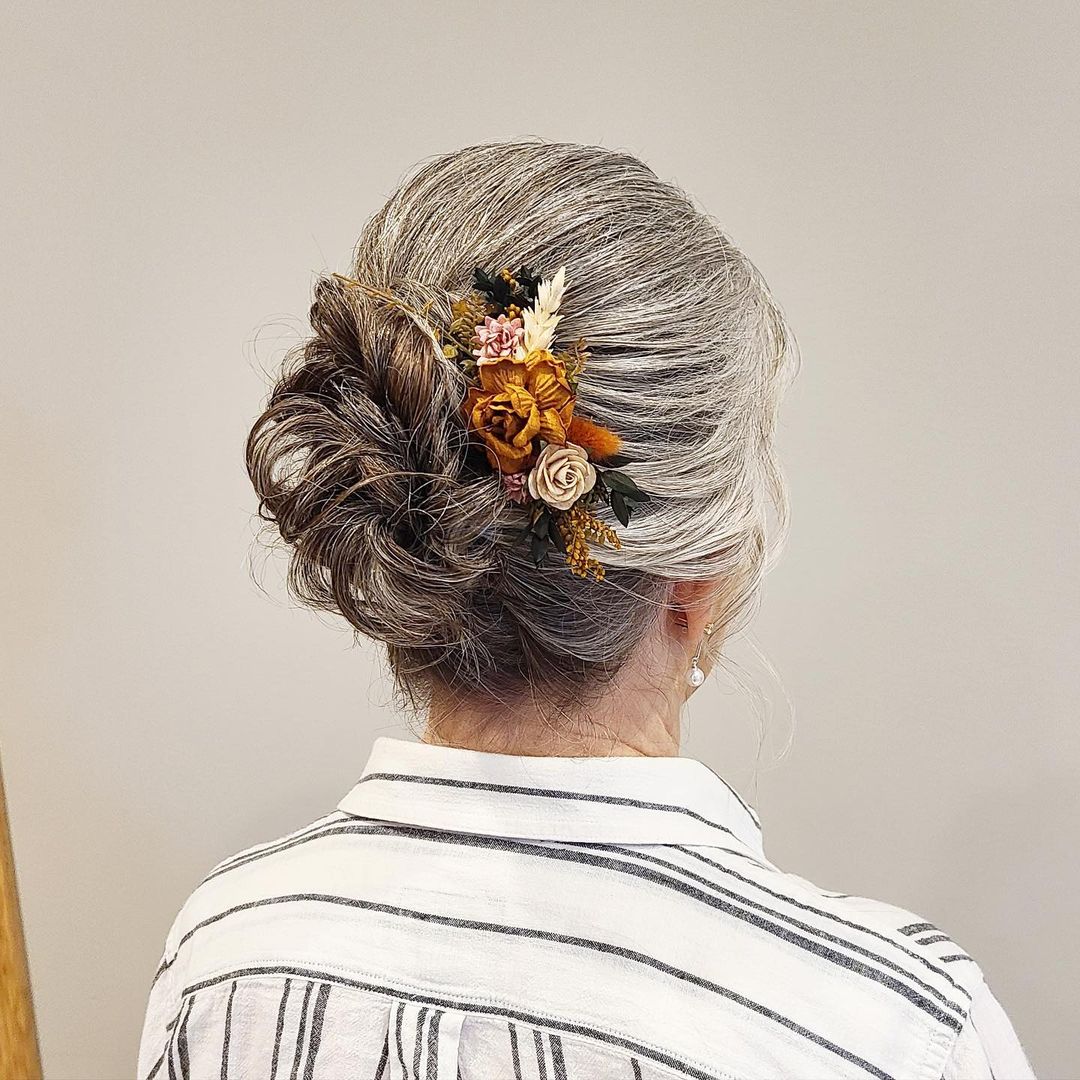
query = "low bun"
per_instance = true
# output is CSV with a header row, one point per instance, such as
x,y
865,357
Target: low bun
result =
x,y
359,460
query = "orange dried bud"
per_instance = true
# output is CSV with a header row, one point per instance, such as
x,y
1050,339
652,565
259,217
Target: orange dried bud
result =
x,y
598,441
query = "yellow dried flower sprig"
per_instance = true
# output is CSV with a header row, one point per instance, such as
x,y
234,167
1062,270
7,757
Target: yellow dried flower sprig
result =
x,y
579,526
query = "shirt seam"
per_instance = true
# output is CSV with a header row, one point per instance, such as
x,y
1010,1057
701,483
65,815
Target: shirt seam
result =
x,y
940,1048
355,973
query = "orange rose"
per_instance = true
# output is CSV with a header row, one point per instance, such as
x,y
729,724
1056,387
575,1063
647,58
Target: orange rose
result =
x,y
517,402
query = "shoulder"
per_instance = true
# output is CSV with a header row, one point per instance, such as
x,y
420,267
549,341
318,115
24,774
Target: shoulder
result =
x,y
987,1044
907,931
190,962
215,893
818,957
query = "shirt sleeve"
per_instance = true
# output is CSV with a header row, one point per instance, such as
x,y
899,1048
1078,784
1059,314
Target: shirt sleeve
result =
x,y
159,1024
988,1048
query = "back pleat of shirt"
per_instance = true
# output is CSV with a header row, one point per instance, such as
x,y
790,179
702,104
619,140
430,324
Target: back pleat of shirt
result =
x,y
296,1028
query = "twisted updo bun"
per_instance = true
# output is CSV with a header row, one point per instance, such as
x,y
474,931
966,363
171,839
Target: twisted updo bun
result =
x,y
361,458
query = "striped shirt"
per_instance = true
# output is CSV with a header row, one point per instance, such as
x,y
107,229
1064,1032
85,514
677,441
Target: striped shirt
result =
x,y
487,916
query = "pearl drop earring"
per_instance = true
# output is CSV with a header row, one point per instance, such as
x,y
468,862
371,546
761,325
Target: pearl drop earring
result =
x,y
695,676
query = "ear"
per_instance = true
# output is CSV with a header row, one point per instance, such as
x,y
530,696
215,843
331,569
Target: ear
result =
x,y
690,607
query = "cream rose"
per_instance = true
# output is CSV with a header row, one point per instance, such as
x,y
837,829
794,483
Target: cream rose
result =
x,y
561,475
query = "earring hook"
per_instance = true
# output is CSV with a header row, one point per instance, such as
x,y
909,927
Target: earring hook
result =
x,y
695,676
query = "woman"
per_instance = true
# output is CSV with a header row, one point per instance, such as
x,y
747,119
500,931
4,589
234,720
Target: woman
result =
x,y
529,447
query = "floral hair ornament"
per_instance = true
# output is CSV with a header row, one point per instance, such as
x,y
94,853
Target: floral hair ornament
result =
x,y
520,408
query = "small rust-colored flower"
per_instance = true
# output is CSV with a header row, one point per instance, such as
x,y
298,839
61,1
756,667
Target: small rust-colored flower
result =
x,y
517,402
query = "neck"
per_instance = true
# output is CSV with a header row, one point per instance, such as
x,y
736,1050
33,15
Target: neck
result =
x,y
630,720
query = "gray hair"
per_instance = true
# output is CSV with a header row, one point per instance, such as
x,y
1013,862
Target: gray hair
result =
x,y
362,461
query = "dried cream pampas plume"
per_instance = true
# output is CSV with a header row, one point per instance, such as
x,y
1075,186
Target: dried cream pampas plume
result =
x,y
542,318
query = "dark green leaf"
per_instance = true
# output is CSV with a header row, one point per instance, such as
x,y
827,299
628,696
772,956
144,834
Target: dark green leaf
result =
x,y
620,482
618,505
541,526
557,538
493,286
483,281
540,549
529,282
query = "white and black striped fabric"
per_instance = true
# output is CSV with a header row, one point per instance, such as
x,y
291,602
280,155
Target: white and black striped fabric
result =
x,y
493,917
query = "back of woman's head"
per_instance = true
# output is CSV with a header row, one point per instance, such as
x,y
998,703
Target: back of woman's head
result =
x,y
363,460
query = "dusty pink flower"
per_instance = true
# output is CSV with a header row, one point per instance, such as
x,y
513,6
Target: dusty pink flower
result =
x,y
515,487
498,338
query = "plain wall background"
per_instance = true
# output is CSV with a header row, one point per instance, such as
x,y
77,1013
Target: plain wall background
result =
x,y
905,176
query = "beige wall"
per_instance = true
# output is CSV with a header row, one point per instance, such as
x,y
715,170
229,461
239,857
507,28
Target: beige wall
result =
x,y
904,174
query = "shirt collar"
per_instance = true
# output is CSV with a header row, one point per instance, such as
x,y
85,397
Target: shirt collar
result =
x,y
624,800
